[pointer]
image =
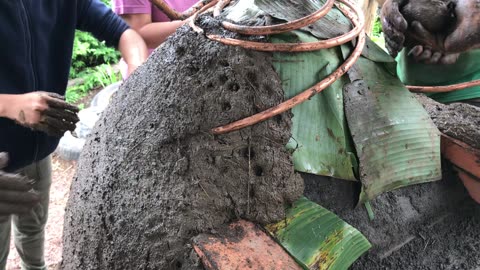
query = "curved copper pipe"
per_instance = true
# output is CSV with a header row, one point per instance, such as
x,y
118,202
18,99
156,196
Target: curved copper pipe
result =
x,y
171,13
280,28
295,47
194,17
305,95
443,89
219,7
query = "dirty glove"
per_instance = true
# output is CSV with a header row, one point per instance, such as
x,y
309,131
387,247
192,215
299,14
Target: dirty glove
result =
x,y
466,33
394,25
15,194
426,55
43,111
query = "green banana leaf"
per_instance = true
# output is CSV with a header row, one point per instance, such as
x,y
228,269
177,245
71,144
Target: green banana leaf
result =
x,y
320,138
396,141
317,238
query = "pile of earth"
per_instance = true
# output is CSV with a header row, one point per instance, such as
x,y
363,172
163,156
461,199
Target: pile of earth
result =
x,y
152,176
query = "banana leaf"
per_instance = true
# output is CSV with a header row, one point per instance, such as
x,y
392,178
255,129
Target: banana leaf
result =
x,y
396,141
320,138
317,238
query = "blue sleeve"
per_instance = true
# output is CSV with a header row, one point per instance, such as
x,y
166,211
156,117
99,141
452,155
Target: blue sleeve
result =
x,y
98,19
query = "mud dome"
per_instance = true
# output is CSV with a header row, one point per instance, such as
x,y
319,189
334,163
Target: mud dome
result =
x,y
152,176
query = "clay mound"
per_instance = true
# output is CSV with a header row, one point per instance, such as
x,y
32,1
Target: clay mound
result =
x,y
152,176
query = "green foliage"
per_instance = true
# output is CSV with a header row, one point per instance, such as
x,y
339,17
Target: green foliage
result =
x,y
92,78
377,33
89,52
91,60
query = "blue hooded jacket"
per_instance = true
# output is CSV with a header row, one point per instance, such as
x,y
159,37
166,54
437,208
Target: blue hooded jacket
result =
x,y
36,42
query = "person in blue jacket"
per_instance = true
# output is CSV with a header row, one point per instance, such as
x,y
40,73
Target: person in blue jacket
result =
x,y
36,48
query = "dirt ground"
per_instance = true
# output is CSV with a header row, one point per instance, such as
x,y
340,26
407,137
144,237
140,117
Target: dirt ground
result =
x,y
63,172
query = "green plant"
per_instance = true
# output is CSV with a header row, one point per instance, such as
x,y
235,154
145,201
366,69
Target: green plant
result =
x,y
92,78
91,60
89,52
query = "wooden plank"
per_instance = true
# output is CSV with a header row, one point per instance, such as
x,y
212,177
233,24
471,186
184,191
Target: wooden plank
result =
x,y
242,245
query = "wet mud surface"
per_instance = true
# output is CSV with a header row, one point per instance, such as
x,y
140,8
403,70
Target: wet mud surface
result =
x,y
152,176
428,226
458,120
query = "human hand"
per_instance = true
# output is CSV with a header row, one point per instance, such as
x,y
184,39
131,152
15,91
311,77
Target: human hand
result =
x,y
426,55
15,195
466,33
43,111
394,26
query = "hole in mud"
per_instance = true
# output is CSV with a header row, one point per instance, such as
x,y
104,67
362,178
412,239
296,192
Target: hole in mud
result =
x,y
210,85
258,170
268,89
252,77
224,63
226,106
178,264
278,119
245,153
180,51
191,70
222,78
233,87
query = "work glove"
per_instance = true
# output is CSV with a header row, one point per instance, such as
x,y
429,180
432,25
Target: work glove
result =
x,y
43,111
16,196
424,47
431,50
394,26
466,33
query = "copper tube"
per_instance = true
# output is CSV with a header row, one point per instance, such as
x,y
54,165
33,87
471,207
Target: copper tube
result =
x,y
280,28
297,47
192,10
194,17
171,13
219,7
305,95
443,89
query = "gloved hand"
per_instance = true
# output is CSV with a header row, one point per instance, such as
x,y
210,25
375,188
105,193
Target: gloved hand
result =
x,y
466,33
15,194
394,26
432,50
43,111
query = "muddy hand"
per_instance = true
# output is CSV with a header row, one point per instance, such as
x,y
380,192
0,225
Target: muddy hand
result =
x,y
15,192
394,25
43,111
424,54
466,34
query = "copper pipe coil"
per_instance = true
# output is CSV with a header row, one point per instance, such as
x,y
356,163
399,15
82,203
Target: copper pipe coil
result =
x,y
172,14
443,89
219,7
194,17
307,94
280,28
295,47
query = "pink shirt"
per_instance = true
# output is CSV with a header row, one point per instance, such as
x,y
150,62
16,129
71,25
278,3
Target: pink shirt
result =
x,y
145,7
122,7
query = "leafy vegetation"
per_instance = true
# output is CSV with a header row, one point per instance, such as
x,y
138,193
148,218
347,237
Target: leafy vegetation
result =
x,y
91,65
377,33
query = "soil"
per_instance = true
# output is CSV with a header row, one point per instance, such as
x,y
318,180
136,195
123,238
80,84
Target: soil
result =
x,y
457,120
151,176
426,226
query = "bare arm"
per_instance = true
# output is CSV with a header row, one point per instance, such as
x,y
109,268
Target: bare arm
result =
x,y
154,33
133,49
